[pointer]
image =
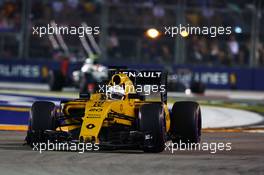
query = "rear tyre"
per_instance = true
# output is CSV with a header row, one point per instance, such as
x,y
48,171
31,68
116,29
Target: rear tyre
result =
x,y
41,119
186,122
152,124
176,87
55,80
198,87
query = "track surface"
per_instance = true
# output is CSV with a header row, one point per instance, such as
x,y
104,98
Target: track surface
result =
x,y
246,157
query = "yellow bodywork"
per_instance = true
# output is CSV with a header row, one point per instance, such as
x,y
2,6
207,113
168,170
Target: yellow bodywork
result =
x,y
101,112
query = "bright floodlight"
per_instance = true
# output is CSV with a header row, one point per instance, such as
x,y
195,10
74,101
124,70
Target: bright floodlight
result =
x,y
238,29
184,33
152,33
188,92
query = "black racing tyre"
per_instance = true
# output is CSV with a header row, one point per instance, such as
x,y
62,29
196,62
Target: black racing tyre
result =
x,y
152,123
176,87
87,80
55,80
186,122
41,119
197,87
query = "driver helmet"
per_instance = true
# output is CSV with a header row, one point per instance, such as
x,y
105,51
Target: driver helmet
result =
x,y
116,92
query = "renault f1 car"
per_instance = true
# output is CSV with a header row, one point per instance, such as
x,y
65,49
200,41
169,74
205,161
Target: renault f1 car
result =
x,y
118,116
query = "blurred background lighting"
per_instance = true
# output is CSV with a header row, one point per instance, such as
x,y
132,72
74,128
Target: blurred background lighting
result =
x,y
184,33
152,33
238,29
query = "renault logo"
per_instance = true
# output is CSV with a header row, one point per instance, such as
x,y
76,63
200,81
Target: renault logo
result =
x,y
90,126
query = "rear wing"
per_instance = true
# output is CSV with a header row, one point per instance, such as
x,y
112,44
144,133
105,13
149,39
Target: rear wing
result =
x,y
155,78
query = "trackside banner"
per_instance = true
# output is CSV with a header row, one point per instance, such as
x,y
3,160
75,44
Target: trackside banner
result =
x,y
30,70
213,77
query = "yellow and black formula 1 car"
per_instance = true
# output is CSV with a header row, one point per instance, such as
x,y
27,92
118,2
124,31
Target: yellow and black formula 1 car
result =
x,y
118,116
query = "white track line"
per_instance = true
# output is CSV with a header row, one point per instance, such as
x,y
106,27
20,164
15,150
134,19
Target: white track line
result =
x,y
218,117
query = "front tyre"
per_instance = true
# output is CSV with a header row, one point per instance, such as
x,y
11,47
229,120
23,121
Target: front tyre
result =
x,y
41,119
186,122
152,124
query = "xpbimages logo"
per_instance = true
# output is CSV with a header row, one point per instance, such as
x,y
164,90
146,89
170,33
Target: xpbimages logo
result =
x,y
185,30
64,146
54,28
142,89
212,147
